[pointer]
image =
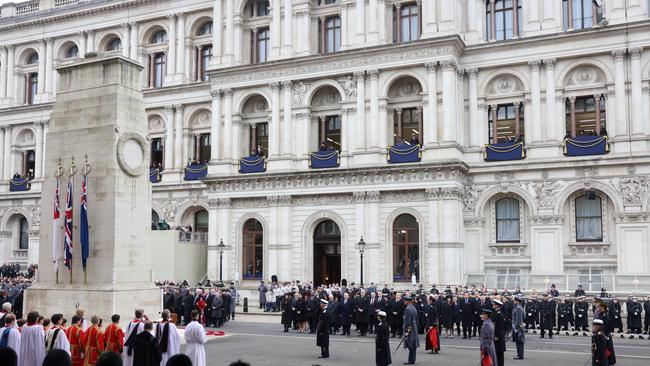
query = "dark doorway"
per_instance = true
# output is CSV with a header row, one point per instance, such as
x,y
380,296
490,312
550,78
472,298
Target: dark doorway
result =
x,y
327,253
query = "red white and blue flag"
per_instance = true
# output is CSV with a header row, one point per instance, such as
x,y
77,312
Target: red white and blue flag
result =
x,y
83,223
56,227
68,225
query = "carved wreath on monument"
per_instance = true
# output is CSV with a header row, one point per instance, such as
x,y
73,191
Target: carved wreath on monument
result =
x,y
131,153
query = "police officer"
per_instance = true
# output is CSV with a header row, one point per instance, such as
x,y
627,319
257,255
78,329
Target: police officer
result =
x,y
518,328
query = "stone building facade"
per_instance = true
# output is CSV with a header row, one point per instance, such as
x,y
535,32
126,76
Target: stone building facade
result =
x,y
223,78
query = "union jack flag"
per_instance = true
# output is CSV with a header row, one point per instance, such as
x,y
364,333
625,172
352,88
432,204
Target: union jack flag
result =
x,y
68,225
56,229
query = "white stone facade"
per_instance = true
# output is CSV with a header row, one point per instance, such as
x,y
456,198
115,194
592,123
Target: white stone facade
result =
x,y
451,74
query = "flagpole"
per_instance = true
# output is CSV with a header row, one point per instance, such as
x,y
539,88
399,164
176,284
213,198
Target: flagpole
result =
x,y
71,173
85,171
58,173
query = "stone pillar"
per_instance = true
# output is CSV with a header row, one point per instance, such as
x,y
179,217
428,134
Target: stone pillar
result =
x,y
535,133
360,227
178,136
274,130
619,87
376,133
38,166
4,160
373,270
169,137
359,21
181,53
472,30
638,116
345,120
216,137
271,255
434,266
81,40
287,38
228,151
11,89
126,36
429,25
3,72
551,130
213,240
276,25
373,20
532,8
287,123
7,153
90,41
223,233
217,31
474,138
42,65
447,16
431,112
359,76
171,50
482,123
449,102
452,233
133,51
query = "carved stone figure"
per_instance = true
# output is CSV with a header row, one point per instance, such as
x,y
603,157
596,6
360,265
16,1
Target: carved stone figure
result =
x,y
299,91
633,189
545,192
350,87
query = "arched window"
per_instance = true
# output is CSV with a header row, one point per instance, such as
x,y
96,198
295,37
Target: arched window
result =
x,y
24,236
159,37
258,8
406,242
507,220
115,44
509,122
502,19
201,221
157,72
406,124
32,59
73,51
205,29
589,218
585,116
581,14
406,22
252,253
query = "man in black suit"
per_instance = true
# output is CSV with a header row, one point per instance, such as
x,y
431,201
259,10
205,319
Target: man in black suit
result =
x,y
145,351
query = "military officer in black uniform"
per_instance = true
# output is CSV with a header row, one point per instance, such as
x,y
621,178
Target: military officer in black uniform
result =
x,y
323,330
499,331
382,347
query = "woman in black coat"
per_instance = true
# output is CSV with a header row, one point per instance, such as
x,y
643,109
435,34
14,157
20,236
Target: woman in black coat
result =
x,y
301,313
286,313
448,315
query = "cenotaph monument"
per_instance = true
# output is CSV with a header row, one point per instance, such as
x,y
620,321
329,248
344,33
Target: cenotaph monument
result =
x,y
98,123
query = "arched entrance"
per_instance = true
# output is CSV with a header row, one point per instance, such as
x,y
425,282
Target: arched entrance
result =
x,y
327,253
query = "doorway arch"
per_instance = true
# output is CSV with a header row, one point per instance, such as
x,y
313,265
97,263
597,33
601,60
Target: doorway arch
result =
x,y
327,253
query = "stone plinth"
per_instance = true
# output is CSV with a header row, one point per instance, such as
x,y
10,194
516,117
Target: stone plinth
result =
x,y
99,112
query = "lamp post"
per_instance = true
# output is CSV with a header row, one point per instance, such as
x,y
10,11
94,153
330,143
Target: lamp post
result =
x,y
361,245
221,247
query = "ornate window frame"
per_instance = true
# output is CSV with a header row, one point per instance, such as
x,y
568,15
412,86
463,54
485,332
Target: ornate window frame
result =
x,y
508,248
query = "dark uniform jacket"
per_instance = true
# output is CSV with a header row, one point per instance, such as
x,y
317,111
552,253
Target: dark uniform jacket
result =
x,y
323,329
382,347
499,331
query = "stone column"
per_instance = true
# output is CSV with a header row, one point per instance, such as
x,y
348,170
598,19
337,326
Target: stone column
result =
x,y
217,31
90,41
359,21
81,39
7,155
287,38
276,24
38,165
572,128
619,86
492,20
345,26
3,72
223,233
42,64
431,112
126,36
472,30
3,161
452,229
359,76
178,136
271,254
171,50
274,130
429,25
551,130
228,152
169,137
536,104
287,123
344,129
213,241
216,137
181,53
372,269
133,51
638,117
449,102
359,198
11,89
373,31
377,133
494,109
433,267
482,123
474,138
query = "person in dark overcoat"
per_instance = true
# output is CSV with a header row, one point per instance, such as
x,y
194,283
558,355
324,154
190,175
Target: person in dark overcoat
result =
x,y
448,313
323,330
345,314
286,313
499,331
410,329
634,310
382,346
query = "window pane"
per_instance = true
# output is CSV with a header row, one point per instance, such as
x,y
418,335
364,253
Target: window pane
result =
x,y
588,219
507,219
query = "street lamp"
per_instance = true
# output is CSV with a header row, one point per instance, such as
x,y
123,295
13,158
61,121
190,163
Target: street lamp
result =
x,y
221,247
362,245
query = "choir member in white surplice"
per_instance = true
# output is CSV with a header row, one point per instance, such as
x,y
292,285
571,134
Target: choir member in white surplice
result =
x,y
32,342
135,327
195,339
10,336
167,338
55,337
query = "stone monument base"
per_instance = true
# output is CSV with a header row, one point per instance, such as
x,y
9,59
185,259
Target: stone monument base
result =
x,y
101,300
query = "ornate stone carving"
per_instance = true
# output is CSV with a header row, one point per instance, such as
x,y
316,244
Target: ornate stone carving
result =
x,y
546,192
549,63
632,217
474,221
508,249
372,196
470,196
632,189
132,154
534,65
326,97
619,55
359,196
36,214
405,88
156,124
505,84
299,91
585,76
589,249
546,220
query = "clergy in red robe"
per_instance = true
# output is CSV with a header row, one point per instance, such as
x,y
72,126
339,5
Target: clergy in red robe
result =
x,y
76,338
114,335
94,344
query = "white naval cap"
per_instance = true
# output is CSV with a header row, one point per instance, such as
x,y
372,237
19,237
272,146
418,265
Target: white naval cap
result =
x,y
381,313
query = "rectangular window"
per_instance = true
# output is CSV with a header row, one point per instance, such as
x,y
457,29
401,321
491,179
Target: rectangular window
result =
x,y
32,88
330,133
204,148
259,139
507,220
588,120
509,125
157,153
158,70
501,20
406,23
330,34
589,218
206,54
262,45
581,14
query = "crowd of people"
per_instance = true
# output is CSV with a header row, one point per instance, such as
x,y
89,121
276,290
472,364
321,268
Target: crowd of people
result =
x,y
215,303
12,271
